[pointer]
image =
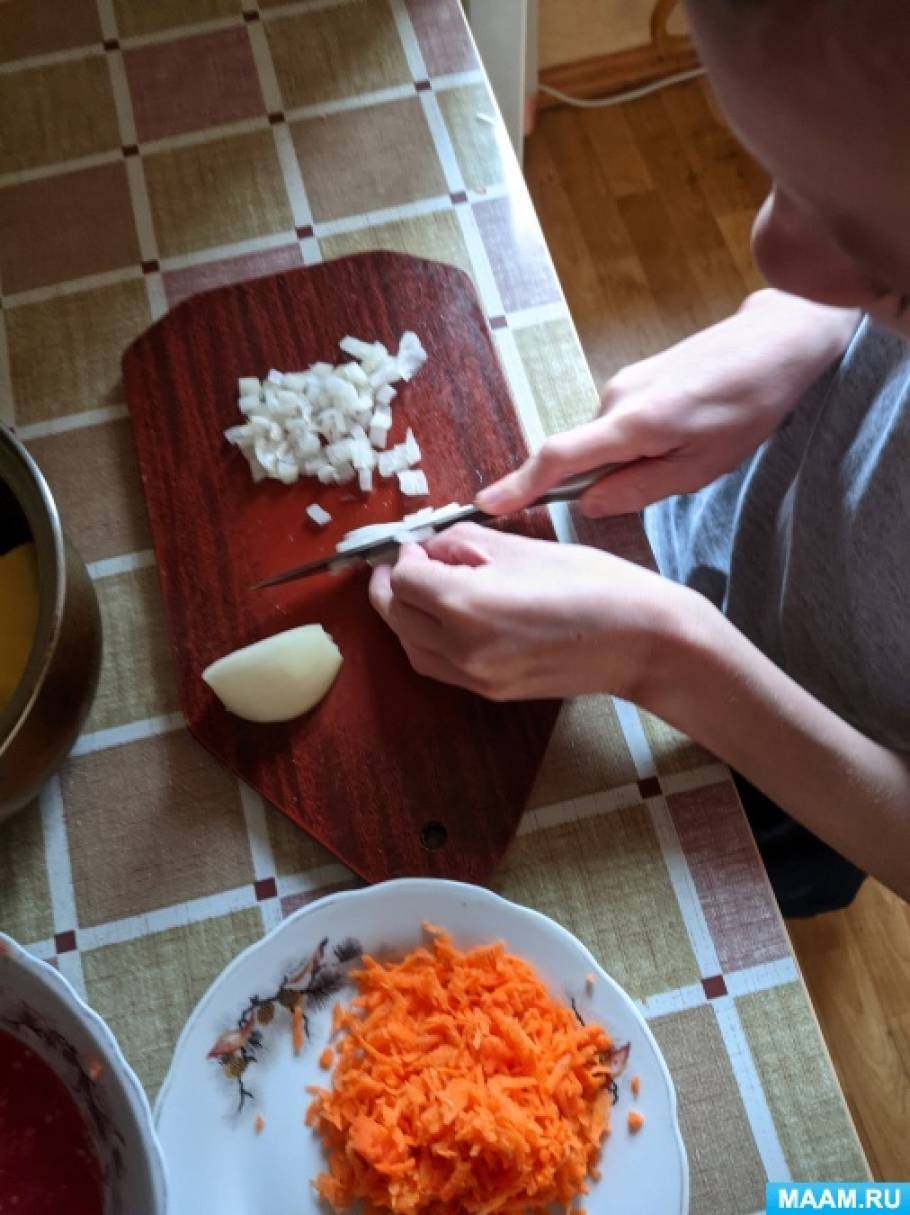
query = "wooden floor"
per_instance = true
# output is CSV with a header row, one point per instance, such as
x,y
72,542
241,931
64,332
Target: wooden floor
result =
x,y
647,209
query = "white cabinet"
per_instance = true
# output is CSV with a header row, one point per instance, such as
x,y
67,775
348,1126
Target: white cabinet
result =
x,y
506,36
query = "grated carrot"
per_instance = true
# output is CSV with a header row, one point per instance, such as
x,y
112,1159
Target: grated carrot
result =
x,y
636,1121
461,1088
635,1085
259,1124
327,1058
298,1029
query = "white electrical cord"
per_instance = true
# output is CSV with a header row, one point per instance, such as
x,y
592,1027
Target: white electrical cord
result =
x,y
595,103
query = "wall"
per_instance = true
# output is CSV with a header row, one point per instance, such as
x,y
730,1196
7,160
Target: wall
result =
x,y
571,30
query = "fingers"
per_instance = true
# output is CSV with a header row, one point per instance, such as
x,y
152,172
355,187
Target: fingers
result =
x,y
422,637
429,582
463,544
636,486
417,579
409,579
381,590
436,666
432,577
413,625
562,456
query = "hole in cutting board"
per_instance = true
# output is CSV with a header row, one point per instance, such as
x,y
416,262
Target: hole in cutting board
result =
x,y
433,835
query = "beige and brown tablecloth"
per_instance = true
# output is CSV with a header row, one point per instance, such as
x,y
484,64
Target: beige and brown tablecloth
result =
x,y
150,149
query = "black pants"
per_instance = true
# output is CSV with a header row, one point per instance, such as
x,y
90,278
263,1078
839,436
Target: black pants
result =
x,y
808,876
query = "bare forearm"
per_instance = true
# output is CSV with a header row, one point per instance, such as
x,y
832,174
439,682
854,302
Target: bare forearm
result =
x,y
850,791
815,333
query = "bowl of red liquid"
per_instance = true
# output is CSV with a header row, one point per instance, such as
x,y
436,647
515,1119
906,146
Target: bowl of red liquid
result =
x,y
76,1131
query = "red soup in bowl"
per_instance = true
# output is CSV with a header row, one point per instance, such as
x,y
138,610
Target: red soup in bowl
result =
x,y
76,1133
47,1162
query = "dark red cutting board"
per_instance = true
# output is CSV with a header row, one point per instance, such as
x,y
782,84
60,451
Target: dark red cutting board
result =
x,y
388,752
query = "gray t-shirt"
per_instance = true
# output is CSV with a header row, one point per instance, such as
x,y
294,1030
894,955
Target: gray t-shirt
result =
x,y
804,546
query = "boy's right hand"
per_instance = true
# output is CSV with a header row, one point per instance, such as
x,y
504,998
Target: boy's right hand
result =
x,y
682,418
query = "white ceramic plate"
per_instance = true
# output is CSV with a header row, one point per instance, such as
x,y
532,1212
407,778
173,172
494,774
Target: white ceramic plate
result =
x,y
218,1162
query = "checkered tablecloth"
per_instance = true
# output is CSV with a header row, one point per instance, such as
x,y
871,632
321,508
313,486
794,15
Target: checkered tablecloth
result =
x,y
153,148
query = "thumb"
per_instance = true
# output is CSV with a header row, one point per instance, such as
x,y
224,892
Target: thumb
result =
x,y
561,456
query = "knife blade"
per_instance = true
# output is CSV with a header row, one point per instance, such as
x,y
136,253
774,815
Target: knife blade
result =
x,y
567,491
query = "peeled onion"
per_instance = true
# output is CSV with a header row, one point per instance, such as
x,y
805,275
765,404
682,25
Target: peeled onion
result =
x,y
277,678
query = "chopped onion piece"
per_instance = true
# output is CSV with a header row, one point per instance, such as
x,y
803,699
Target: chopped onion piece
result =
x,y
356,348
287,471
392,462
411,355
343,394
411,448
424,515
329,421
339,453
362,454
267,458
305,444
352,372
446,512
372,533
412,529
413,483
265,428
385,373
318,514
415,535
282,407
333,425
372,361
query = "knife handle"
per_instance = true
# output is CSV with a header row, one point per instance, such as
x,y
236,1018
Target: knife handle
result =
x,y
567,491
573,487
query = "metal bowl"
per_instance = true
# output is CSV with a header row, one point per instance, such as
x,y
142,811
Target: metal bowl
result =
x,y
39,725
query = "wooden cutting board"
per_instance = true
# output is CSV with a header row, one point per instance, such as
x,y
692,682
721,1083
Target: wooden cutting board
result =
x,y
394,773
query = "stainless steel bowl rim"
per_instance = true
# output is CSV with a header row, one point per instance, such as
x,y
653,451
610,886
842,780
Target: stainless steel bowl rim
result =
x,y
17,711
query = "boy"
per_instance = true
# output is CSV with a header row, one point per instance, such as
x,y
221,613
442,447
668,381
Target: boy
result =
x,y
778,633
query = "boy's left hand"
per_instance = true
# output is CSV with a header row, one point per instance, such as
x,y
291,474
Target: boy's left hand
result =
x,y
513,619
